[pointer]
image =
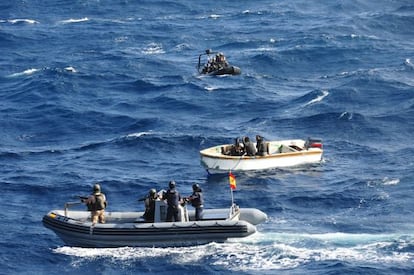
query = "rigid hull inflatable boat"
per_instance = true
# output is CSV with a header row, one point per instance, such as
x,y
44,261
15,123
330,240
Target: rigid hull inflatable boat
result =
x,y
129,229
215,66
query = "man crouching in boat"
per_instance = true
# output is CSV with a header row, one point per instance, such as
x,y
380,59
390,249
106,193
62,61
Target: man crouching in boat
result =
x,y
96,203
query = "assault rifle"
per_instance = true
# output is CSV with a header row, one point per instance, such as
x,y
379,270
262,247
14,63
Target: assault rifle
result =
x,y
83,198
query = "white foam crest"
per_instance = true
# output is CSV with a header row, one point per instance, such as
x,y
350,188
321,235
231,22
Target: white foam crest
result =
x,y
214,16
211,88
318,98
153,48
25,72
74,20
337,238
28,21
388,181
138,134
70,69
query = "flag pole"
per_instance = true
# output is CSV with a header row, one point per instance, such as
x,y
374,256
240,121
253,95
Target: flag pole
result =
x,y
231,177
232,198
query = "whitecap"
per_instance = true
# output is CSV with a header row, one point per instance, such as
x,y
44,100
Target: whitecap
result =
x,y
138,134
28,21
319,98
214,16
25,72
72,20
153,48
211,88
388,181
70,69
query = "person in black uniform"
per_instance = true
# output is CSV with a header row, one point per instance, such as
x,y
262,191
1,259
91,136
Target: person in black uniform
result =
x,y
173,198
197,201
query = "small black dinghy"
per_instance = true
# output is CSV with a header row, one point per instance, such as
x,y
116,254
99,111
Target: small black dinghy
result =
x,y
130,229
216,64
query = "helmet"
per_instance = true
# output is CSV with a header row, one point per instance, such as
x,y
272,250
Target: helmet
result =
x,y
97,188
152,191
171,184
196,187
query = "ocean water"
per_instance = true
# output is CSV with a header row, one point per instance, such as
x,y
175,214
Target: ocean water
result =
x,y
108,91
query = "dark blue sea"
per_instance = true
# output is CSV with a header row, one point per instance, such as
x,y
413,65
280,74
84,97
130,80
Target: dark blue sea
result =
x,y
108,91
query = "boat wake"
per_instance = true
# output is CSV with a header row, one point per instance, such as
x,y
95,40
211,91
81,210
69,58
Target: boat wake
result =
x,y
270,251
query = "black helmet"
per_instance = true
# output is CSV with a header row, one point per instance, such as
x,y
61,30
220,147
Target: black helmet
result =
x,y
152,191
196,187
171,184
97,188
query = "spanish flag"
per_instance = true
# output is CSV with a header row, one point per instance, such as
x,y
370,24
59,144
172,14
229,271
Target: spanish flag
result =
x,y
232,180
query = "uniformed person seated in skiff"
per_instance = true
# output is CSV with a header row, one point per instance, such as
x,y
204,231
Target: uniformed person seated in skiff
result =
x,y
96,203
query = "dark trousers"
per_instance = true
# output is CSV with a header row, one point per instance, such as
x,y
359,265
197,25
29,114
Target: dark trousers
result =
x,y
172,212
198,213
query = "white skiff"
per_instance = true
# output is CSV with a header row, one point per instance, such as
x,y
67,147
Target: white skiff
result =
x,y
278,154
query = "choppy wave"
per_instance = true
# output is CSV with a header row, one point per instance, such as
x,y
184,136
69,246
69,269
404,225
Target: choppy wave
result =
x,y
98,91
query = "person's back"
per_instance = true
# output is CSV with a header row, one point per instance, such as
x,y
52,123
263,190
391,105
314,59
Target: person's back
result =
x,y
97,203
197,201
260,146
249,147
173,198
150,205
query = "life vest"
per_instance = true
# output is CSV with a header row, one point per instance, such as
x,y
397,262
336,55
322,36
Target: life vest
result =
x,y
99,204
173,198
197,199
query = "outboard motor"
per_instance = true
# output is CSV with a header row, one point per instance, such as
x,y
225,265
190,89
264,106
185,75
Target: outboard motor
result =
x,y
313,143
160,214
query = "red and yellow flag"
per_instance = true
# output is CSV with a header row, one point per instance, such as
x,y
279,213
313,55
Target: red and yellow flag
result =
x,y
232,180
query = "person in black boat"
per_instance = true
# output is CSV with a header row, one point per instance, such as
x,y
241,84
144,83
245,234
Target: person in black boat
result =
x,y
197,201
